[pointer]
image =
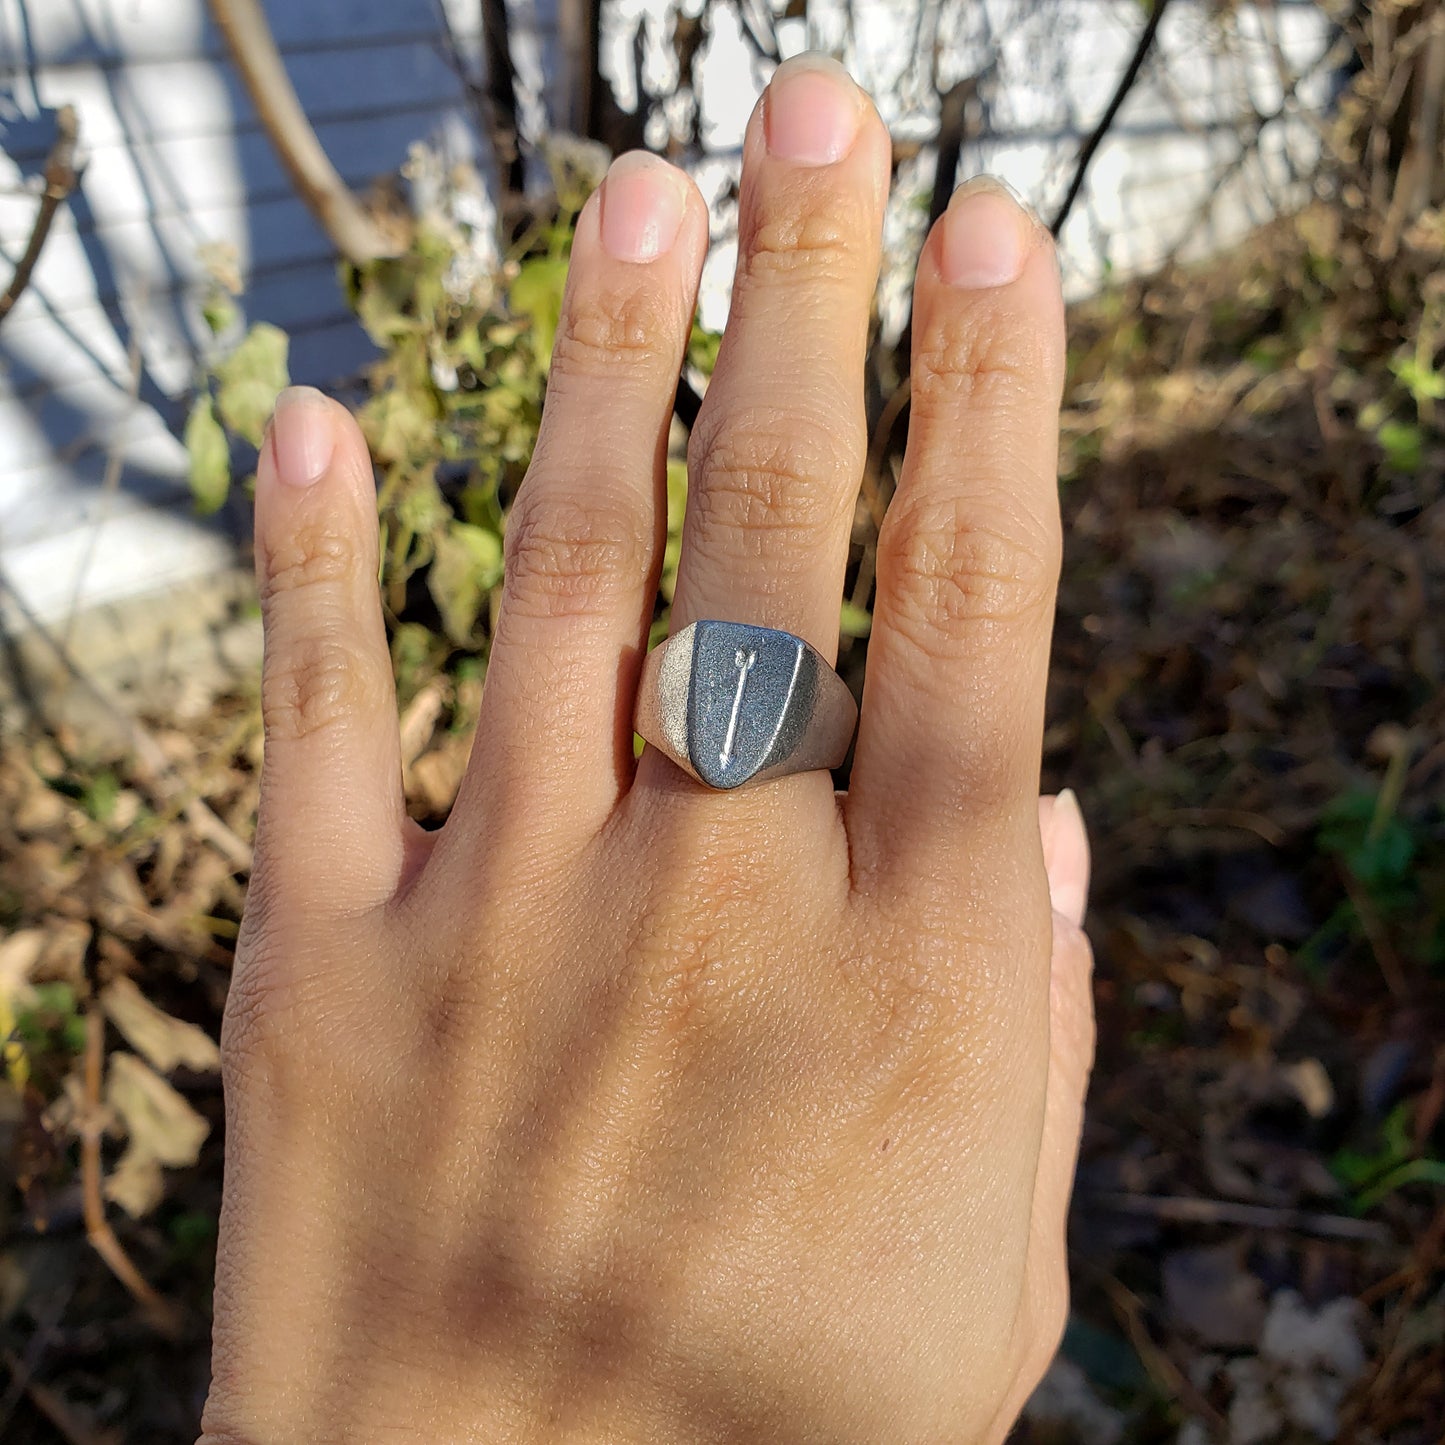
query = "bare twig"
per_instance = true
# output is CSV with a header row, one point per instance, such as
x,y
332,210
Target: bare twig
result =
x,y
1106,121
873,494
501,97
60,179
248,37
1378,936
1185,1210
1154,1357
162,1313
952,122
61,1415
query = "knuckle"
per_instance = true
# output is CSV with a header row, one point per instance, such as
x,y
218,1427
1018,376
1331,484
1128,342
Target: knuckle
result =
x,y
261,1033
916,1005
314,682
952,566
315,674
760,475
291,1021
604,331
818,233
314,555
570,558
979,357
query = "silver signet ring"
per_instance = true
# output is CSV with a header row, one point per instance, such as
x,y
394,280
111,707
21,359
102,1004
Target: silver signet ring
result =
x,y
733,704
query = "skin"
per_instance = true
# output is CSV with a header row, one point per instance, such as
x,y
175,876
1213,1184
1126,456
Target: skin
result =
x,y
619,1110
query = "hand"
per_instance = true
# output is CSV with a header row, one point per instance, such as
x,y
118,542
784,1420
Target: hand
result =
x,y
620,1110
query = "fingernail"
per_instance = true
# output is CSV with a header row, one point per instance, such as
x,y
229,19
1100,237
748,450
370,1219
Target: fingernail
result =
x,y
987,234
643,202
1070,888
813,111
303,436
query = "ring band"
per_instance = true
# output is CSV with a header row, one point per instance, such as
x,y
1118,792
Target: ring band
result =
x,y
733,704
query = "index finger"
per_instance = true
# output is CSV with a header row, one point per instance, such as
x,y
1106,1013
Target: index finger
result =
x,y
952,726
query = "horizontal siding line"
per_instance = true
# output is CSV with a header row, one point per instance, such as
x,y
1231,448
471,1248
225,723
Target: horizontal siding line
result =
x,y
218,54
243,200
340,322
317,249
337,314
279,194
250,125
40,387
310,331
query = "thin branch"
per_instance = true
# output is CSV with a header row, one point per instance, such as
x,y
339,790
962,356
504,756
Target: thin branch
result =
x,y
60,179
1106,121
501,97
1186,1210
952,122
248,37
102,1237
62,1415
595,113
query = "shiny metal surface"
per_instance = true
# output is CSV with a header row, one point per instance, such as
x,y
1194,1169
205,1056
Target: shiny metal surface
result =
x,y
734,704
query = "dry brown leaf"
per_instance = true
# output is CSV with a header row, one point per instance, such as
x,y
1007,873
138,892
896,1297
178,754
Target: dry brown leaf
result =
x,y
164,1041
435,778
419,720
67,941
162,1128
19,953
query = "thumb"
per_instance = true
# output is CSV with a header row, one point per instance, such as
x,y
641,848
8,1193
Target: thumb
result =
x,y
1066,855
1071,1054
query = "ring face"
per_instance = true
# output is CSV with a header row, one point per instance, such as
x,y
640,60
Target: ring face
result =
x,y
733,704
750,694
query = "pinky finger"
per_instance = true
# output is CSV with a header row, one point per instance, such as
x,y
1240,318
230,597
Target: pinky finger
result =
x,y
331,835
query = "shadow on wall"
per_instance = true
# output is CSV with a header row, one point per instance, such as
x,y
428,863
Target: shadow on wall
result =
x,y
101,353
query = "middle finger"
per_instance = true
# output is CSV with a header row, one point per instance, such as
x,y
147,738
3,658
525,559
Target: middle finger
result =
x,y
778,448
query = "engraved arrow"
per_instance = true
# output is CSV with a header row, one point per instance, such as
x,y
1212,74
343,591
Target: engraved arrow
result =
x,y
744,666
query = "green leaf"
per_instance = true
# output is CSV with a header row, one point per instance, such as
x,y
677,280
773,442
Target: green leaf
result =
x,y
220,313
702,349
384,297
537,292
400,423
1424,383
56,997
101,796
250,379
1404,445
855,621
1378,851
467,565
72,1034
210,457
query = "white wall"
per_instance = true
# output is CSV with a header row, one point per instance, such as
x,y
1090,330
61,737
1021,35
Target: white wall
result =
x,y
176,160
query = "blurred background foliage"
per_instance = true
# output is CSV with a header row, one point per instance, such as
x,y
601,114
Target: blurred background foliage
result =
x,y
1247,694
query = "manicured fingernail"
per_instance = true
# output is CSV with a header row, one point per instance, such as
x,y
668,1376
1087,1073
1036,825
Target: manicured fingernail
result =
x,y
813,111
303,436
643,202
987,234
